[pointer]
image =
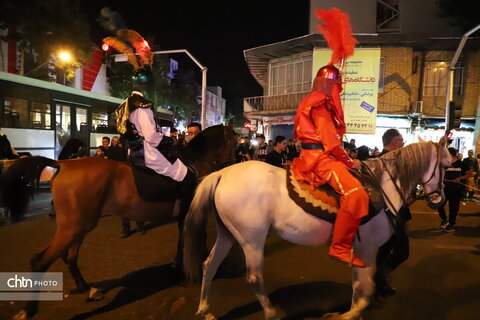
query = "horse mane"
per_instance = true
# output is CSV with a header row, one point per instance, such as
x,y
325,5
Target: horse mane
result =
x,y
410,160
6,148
70,149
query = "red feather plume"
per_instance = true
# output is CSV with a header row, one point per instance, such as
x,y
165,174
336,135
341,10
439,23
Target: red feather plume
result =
x,y
338,33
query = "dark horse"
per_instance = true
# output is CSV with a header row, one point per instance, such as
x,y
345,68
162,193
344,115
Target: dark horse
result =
x,y
85,189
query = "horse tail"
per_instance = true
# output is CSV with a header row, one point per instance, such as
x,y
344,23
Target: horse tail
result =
x,y
195,233
18,182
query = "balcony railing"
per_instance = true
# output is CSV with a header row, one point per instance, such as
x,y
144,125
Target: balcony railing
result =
x,y
281,102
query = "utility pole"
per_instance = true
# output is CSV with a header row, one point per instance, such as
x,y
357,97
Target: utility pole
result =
x,y
451,69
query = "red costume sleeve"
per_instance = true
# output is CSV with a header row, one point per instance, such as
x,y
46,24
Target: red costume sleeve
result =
x,y
326,131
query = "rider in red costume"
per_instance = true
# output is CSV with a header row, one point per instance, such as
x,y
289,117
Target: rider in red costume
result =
x,y
320,126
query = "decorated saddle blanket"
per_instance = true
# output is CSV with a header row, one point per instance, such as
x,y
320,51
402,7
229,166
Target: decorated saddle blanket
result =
x,y
152,186
323,202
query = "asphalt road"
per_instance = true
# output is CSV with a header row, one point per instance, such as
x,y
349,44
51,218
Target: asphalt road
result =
x,y
440,280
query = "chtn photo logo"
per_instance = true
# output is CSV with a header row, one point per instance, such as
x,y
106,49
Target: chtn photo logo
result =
x,y
23,282
25,286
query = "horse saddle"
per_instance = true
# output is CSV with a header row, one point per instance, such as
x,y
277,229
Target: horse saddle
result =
x,y
323,202
152,186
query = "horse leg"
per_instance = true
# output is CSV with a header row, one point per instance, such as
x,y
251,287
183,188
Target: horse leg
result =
x,y
222,246
70,260
44,259
254,260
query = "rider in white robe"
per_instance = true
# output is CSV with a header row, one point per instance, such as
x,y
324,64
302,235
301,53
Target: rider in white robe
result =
x,y
143,119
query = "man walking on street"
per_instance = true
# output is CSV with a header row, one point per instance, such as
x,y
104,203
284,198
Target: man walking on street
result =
x,y
397,249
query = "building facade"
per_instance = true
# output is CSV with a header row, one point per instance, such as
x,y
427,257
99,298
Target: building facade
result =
x,y
412,80
215,106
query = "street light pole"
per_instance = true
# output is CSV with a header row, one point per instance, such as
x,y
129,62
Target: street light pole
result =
x,y
451,69
204,69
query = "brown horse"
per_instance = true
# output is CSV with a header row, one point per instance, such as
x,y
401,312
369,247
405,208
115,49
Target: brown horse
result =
x,y
85,189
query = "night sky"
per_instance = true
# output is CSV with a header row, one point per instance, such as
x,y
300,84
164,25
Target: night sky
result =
x,y
215,32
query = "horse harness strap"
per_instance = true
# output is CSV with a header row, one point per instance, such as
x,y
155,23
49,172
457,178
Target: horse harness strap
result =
x,y
381,189
439,187
394,183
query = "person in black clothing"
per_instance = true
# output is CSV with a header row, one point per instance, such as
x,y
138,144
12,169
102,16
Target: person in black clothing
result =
x,y
470,163
116,151
291,151
453,191
275,157
102,149
242,151
260,152
392,140
397,249
363,153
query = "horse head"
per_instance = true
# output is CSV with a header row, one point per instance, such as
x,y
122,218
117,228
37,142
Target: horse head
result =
x,y
432,179
213,148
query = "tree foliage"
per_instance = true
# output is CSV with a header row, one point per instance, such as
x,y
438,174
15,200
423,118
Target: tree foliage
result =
x,y
45,27
179,95
119,78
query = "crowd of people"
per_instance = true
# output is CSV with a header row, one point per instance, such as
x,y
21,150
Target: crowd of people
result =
x,y
278,152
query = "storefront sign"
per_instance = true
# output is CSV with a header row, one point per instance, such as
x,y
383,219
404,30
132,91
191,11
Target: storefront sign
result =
x,y
278,120
360,87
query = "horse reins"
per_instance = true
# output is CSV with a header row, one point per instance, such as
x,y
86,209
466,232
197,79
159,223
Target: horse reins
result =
x,y
398,189
424,196
381,189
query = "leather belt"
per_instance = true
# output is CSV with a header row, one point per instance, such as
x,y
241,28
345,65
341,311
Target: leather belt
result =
x,y
312,146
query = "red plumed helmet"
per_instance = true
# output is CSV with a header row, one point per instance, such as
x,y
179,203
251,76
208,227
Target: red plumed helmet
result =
x,y
338,33
329,72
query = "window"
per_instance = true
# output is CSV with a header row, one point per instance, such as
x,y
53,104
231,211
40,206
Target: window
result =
x,y
290,76
63,119
99,120
40,116
436,78
381,75
16,113
103,117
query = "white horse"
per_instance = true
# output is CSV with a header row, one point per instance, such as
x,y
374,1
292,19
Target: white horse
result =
x,y
250,198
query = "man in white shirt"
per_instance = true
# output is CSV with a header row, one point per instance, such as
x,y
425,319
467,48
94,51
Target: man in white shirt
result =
x,y
143,119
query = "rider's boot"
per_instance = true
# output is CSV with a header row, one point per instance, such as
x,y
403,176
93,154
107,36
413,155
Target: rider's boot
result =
x,y
187,188
344,231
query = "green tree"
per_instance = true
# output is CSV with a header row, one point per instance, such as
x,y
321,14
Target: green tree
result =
x,y
179,95
119,78
46,27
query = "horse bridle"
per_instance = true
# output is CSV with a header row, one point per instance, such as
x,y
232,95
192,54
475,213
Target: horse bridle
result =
x,y
434,196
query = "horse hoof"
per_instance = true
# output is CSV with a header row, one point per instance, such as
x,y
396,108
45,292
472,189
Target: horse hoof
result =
x,y
95,294
22,315
210,316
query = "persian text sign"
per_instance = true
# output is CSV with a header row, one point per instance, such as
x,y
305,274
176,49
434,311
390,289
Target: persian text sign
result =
x,y
360,87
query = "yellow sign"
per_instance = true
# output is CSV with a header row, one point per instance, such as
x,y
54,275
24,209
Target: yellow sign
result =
x,y
360,87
